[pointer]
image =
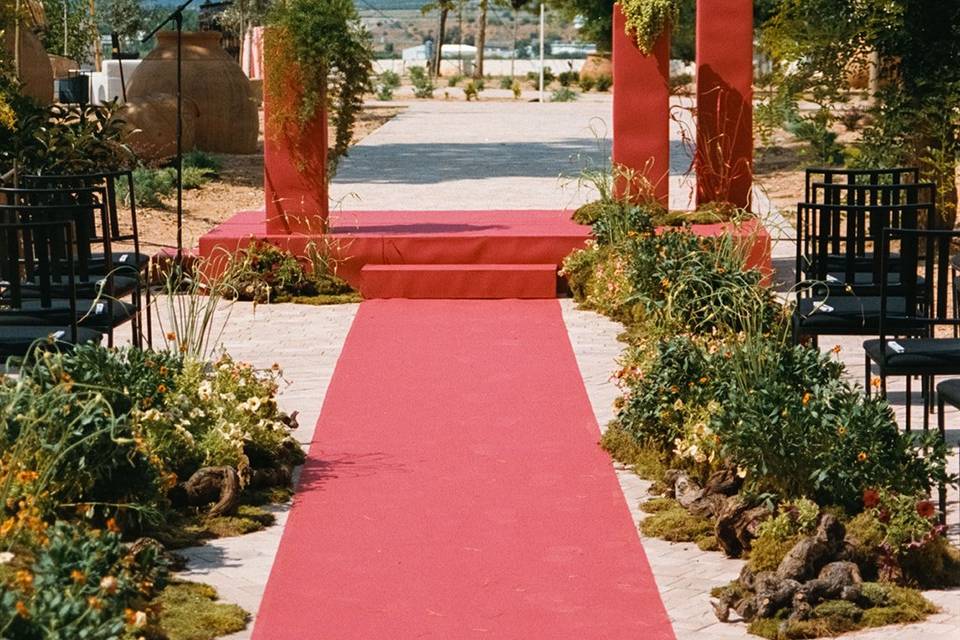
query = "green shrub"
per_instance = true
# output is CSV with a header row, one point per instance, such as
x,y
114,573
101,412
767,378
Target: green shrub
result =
x,y
568,78
563,94
454,80
604,83
202,160
82,580
680,84
471,91
619,221
422,83
506,82
587,83
676,525
389,79
151,186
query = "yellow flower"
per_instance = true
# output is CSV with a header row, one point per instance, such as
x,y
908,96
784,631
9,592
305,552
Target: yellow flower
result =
x,y
841,431
862,456
77,576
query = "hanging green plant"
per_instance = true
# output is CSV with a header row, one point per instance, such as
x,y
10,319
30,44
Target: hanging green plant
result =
x,y
648,19
320,55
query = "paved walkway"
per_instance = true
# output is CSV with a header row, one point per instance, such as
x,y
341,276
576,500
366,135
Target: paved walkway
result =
x,y
487,155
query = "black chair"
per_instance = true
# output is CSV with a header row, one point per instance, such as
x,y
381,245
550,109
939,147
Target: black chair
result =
x,y
867,209
44,253
99,295
122,230
920,299
839,175
948,391
847,301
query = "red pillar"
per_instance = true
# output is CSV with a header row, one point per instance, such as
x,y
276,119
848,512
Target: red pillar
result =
x,y
724,156
641,108
294,163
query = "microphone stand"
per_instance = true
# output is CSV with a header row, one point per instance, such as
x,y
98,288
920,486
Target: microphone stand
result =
x,y
176,17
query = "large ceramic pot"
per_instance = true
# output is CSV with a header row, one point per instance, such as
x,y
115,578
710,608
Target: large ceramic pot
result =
x,y
597,65
152,126
227,113
36,74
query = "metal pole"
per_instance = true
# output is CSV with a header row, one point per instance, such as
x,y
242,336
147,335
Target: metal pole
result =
x,y
179,21
542,10
65,29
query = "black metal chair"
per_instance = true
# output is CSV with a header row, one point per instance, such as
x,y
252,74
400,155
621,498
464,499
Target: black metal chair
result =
x,y
921,300
948,391
847,301
99,294
868,209
839,175
122,228
44,253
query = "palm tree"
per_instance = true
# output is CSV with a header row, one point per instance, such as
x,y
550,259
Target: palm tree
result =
x,y
445,7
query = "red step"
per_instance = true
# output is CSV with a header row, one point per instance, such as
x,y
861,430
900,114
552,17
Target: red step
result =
x,y
459,281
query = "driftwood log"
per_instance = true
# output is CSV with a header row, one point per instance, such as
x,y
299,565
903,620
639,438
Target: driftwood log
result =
x,y
219,485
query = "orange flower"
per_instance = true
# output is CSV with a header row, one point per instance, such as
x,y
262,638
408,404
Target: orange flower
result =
x,y
806,398
163,370
26,477
77,576
171,335
24,580
862,456
22,610
674,389
95,603
112,525
836,349
871,498
161,388
875,381
926,509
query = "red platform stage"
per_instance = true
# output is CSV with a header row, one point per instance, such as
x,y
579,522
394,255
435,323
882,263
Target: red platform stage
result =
x,y
446,254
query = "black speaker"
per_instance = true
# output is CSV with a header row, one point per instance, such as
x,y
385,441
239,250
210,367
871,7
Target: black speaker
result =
x,y
74,90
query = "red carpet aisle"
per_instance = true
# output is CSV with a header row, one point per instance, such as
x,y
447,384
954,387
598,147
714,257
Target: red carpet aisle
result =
x,y
455,490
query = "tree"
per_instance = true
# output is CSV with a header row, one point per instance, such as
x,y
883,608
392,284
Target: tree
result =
x,y
516,5
123,17
444,7
68,34
596,17
481,38
914,116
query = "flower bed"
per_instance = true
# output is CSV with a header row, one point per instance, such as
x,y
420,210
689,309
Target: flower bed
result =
x,y
758,448
110,456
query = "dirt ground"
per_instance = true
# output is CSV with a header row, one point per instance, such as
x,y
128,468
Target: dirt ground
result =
x,y
237,187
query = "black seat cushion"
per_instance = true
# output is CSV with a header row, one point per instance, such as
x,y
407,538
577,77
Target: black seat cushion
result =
x,y
89,287
849,313
16,340
933,356
98,314
949,390
122,262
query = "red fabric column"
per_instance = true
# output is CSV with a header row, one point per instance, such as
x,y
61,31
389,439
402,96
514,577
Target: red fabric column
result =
x,y
641,108
724,157
294,164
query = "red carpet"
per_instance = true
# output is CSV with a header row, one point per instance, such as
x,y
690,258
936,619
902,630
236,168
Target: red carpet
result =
x,y
455,489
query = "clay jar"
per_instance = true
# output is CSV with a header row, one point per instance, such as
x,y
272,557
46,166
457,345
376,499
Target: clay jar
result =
x,y
36,74
597,65
227,119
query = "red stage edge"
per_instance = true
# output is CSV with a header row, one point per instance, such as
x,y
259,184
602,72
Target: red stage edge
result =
x,y
724,159
641,109
451,250
294,162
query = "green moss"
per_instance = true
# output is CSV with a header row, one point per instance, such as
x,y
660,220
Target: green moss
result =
x,y
270,495
901,605
768,550
322,299
189,611
676,525
933,566
734,589
591,212
765,628
659,504
624,448
708,543
838,609
180,530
